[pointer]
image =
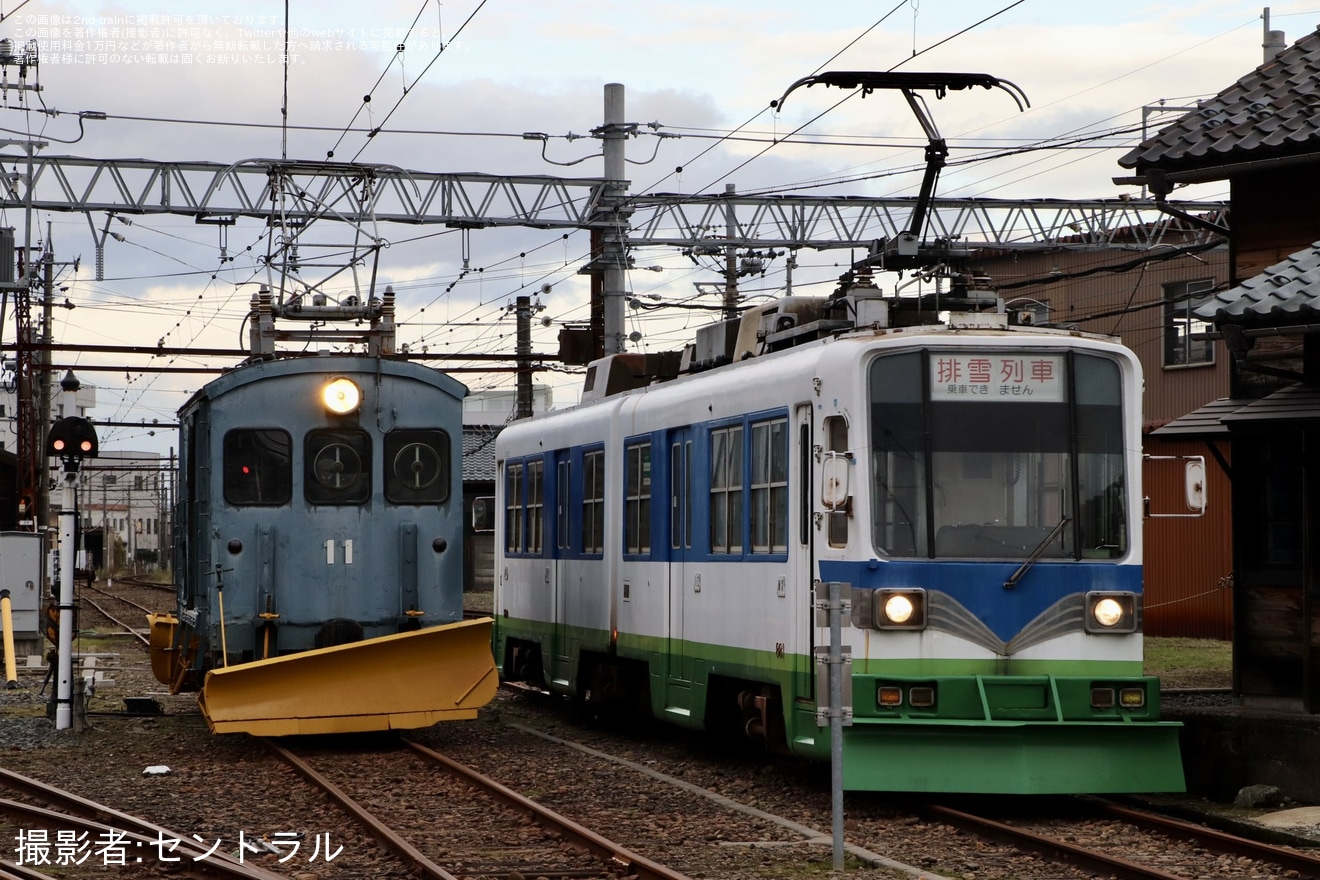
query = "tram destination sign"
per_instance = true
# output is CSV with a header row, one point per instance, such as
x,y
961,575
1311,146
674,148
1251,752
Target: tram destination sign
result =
x,y
995,377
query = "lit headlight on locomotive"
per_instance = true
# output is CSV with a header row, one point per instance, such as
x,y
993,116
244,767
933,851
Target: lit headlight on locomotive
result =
x,y
341,396
1111,612
900,609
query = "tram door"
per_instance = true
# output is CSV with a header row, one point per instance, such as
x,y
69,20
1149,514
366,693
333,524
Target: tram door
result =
x,y
559,653
678,684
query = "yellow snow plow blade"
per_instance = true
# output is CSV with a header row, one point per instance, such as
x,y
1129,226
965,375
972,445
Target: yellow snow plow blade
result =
x,y
396,682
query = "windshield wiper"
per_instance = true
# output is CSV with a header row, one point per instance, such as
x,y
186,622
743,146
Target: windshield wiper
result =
x,y
1036,554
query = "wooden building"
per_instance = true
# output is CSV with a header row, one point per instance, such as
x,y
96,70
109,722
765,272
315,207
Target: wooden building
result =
x,y
1262,136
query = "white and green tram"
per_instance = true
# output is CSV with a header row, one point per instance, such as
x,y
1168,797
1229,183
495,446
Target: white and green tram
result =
x,y
975,487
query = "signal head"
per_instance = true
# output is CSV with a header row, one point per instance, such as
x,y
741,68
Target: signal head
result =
x,y
72,437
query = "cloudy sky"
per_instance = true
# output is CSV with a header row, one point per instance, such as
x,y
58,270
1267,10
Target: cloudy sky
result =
x,y
204,81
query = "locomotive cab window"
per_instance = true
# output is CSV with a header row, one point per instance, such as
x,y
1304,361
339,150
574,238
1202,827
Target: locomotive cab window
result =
x,y
417,467
258,467
337,466
996,455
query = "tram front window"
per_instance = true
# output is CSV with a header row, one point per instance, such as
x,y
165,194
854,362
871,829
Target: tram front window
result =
x,y
974,456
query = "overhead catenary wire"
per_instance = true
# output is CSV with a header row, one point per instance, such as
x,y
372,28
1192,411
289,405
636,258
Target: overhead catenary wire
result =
x,y
407,89
487,278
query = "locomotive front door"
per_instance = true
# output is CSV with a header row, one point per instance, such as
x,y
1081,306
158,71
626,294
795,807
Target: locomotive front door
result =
x,y
678,685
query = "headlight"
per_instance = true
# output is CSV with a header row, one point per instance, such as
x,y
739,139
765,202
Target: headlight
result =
x,y
900,609
341,396
1107,612
1111,612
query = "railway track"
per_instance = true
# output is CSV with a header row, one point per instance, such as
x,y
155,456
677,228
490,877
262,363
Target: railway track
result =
x,y
1051,838
699,809
115,607
511,851
700,812
1111,840
55,828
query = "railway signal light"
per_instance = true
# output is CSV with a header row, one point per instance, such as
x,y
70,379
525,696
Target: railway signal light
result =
x,y
72,437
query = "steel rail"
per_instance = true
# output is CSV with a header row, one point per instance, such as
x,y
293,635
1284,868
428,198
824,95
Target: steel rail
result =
x,y
1107,865
80,812
104,592
115,620
11,871
138,581
382,832
636,865
1219,841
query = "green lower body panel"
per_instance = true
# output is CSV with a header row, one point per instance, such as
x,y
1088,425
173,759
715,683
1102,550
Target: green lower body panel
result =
x,y
1011,758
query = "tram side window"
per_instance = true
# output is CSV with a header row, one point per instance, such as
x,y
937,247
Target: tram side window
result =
x,y
513,509
418,466
769,487
535,504
726,472
258,467
593,501
563,534
337,466
637,503
680,493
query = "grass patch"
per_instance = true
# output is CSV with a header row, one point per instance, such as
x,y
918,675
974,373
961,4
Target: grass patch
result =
x,y
1190,662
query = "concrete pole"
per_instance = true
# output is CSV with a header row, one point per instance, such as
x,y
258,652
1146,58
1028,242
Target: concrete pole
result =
x,y
730,256
614,256
41,375
523,350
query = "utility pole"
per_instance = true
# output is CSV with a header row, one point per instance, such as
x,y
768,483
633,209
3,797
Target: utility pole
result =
x,y
523,309
41,375
730,256
615,212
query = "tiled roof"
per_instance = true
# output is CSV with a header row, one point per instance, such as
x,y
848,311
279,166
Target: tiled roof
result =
x,y
479,452
1286,292
1203,422
1271,112
1295,403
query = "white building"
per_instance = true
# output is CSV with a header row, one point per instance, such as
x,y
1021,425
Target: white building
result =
x,y
124,501
497,406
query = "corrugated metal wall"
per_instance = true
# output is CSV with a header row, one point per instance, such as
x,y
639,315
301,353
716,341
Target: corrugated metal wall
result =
x,y
1188,562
